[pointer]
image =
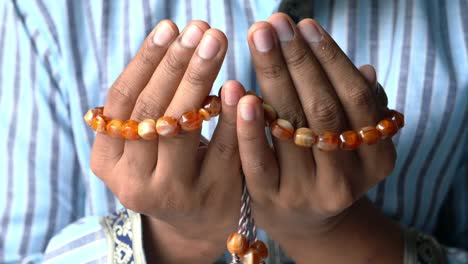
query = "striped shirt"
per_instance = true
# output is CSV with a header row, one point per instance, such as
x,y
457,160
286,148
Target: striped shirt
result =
x,y
58,58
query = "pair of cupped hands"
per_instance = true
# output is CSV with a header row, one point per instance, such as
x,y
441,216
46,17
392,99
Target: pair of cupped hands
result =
x,y
188,192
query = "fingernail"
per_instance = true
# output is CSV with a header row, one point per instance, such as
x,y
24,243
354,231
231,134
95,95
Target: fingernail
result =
x,y
209,47
263,40
283,29
231,96
164,33
310,32
247,112
191,37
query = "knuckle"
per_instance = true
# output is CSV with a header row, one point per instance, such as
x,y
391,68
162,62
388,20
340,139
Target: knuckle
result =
x,y
146,59
272,72
148,106
324,114
292,114
120,93
226,151
195,77
359,94
328,53
173,64
297,58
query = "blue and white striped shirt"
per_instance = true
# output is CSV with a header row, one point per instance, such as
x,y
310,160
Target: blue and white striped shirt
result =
x,y
58,58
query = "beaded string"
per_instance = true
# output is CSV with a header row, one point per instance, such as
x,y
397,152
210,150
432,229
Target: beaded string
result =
x,y
238,243
244,244
282,129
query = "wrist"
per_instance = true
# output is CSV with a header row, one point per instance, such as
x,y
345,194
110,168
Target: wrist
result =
x,y
163,243
362,235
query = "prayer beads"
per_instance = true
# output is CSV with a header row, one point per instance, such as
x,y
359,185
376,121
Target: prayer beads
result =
x,y
254,253
147,129
350,140
167,126
305,137
328,141
130,130
237,244
190,121
280,128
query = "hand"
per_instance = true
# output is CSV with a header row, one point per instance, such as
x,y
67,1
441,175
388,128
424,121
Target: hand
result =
x,y
191,199
299,194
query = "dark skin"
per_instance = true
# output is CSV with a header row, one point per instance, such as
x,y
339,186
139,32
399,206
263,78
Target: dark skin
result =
x,y
314,197
308,200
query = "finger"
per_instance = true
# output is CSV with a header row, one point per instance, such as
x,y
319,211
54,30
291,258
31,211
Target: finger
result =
x,y
355,94
222,162
193,89
124,92
156,96
352,89
321,105
368,72
318,99
296,164
257,158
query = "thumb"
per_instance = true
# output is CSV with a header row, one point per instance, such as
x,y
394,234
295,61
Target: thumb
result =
x,y
223,153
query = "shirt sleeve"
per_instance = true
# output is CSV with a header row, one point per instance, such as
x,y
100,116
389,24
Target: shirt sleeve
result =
x,y
84,241
40,184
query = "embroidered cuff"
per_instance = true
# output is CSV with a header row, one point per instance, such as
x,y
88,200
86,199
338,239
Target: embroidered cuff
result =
x,y
123,231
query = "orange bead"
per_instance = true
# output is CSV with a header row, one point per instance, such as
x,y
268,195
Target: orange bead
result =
x,y
397,118
167,126
261,249
387,128
237,244
147,129
88,117
92,113
251,257
212,104
114,128
204,114
328,141
99,124
305,137
190,121
269,113
369,135
282,129
130,130
350,140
